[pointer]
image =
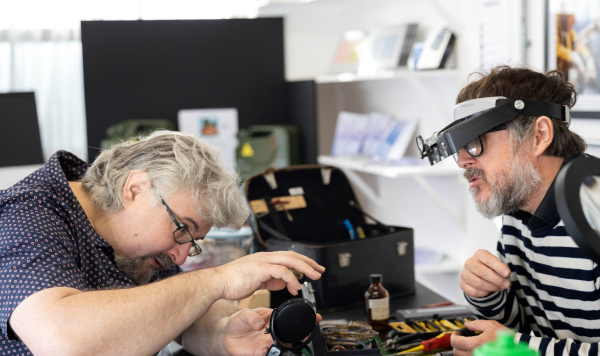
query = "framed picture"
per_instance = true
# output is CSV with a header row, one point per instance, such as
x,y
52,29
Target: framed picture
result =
x,y
573,48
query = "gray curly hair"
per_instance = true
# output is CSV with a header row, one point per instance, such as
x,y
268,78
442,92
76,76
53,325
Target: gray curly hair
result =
x,y
175,163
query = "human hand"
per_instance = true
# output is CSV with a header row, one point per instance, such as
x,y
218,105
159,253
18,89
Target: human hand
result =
x,y
464,346
245,332
484,273
265,270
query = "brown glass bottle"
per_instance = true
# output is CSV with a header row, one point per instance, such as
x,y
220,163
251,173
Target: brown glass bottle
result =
x,y
377,304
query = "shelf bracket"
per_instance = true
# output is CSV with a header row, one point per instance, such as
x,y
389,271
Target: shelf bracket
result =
x,y
441,203
431,98
363,186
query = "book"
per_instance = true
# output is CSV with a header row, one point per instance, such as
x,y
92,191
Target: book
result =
x,y
397,137
350,132
387,48
378,125
348,53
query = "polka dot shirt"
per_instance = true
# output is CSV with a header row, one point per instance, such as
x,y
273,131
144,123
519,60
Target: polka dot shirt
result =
x,y
47,241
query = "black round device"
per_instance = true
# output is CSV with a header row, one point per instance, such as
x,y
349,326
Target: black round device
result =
x,y
293,325
578,202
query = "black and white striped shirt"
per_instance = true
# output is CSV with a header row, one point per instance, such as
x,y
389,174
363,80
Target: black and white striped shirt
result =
x,y
554,290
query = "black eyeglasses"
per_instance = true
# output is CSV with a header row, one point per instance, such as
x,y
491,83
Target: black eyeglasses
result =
x,y
181,234
475,147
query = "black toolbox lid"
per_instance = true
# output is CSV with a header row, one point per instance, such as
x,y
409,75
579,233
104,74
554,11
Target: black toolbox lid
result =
x,y
328,197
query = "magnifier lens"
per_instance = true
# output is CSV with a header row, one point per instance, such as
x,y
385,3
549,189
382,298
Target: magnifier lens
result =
x,y
420,143
589,193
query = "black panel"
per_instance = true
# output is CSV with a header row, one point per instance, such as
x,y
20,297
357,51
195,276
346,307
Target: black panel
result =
x,y
20,142
152,69
301,111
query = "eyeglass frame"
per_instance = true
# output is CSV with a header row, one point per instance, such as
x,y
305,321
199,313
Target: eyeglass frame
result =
x,y
180,226
497,128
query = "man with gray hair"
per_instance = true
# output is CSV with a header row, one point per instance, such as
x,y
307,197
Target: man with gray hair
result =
x,y
540,284
85,253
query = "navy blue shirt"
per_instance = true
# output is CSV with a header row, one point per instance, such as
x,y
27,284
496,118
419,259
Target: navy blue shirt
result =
x,y
46,241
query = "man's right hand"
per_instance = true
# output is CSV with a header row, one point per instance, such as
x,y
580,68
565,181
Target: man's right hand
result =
x,y
484,273
266,270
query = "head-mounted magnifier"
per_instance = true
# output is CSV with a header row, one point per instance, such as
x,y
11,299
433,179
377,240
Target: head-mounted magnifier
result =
x,y
475,117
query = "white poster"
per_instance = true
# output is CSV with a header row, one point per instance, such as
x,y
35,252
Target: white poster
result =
x,y
494,33
217,127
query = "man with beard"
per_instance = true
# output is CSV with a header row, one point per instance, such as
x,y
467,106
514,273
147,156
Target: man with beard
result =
x,y
540,285
85,253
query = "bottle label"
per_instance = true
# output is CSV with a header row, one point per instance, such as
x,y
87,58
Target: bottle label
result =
x,y
380,308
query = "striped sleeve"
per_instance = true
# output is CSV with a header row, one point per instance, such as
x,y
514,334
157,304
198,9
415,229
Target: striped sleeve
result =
x,y
548,346
502,306
553,301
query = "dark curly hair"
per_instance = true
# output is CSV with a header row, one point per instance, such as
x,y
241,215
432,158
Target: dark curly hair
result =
x,y
523,83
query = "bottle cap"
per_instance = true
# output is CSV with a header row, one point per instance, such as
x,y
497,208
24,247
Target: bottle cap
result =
x,y
376,278
505,345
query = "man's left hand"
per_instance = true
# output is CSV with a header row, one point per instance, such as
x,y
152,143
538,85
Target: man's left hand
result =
x,y
245,332
463,346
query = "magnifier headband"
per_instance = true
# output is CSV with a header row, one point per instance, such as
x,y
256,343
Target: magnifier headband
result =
x,y
478,116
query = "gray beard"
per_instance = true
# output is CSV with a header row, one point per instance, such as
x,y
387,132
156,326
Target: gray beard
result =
x,y
132,267
510,190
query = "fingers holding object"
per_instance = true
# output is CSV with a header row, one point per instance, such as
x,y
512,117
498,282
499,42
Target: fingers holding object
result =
x,y
492,262
485,273
462,343
285,274
298,262
481,283
252,318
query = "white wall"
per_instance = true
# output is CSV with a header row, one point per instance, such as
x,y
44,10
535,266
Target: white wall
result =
x,y
313,30
312,34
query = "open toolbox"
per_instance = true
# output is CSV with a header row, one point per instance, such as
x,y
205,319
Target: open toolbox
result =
x,y
321,347
428,334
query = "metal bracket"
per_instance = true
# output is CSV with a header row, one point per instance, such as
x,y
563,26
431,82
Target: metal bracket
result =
x,y
270,178
308,292
441,203
326,175
363,186
401,248
344,259
431,98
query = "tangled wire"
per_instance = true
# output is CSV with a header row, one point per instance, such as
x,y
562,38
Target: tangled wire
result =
x,y
356,335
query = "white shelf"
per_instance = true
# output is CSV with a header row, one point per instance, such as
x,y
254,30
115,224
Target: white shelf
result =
x,y
366,165
391,74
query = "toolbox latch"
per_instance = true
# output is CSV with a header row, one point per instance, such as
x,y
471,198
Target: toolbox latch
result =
x,y
344,259
270,178
326,175
401,248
